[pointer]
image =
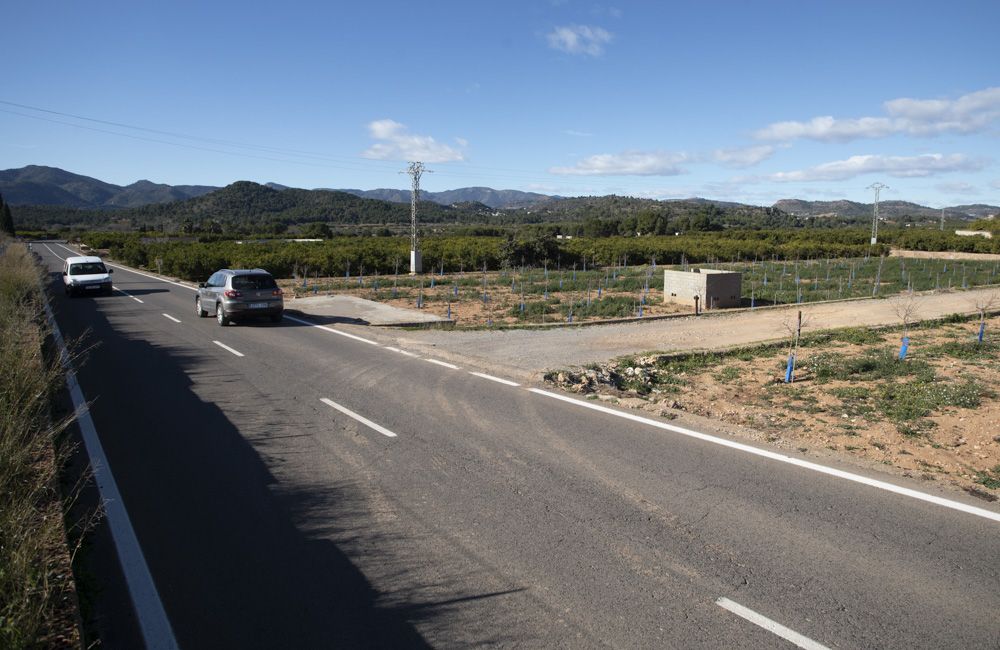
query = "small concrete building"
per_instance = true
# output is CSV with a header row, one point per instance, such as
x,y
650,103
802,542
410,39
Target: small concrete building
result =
x,y
714,289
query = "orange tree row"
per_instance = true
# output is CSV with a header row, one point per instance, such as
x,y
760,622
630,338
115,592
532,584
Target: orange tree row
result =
x,y
195,260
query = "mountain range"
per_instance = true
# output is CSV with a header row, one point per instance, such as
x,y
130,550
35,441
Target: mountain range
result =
x,y
37,185
887,209
485,195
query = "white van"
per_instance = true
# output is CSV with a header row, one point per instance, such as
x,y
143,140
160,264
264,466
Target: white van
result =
x,y
86,275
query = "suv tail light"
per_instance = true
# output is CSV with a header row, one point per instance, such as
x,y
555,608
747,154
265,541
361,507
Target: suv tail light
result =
x,y
232,293
276,292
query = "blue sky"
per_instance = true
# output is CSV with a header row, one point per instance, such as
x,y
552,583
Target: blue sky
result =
x,y
746,101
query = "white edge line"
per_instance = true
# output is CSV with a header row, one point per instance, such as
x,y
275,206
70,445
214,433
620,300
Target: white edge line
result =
x,y
172,318
126,293
226,347
331,330
409,354
112,286
771,626
291,318
363,420
153,621
128,270
857,478
443,363
505,382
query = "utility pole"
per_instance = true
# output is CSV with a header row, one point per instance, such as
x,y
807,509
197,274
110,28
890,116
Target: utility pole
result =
x,y
942,219
415,170
878,187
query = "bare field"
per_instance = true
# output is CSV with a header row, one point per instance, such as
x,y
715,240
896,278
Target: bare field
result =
x,y
946,255
934,416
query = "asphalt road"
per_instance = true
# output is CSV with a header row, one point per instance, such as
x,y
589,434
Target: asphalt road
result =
x,y
495,516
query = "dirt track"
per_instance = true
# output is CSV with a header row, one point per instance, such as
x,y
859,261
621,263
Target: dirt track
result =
x,y
529,353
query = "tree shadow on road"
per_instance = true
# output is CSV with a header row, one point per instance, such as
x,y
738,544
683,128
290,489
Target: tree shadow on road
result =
x,y
239,557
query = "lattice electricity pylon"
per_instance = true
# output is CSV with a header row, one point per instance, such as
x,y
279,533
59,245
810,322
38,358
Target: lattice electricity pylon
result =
x,y
415,170
878,187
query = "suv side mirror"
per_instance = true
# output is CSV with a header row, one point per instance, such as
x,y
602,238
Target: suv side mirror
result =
x,y
202,285
111,270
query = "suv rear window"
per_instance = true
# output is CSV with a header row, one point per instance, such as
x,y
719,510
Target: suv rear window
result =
x,y
258,281
87,268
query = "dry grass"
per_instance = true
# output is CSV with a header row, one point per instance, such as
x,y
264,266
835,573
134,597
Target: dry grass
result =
x,y
37,601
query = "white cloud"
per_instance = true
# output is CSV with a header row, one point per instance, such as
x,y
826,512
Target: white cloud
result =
x,y
578,134
397,144
628,163
896,166
995,184
970,113
579,39
827,128
743,156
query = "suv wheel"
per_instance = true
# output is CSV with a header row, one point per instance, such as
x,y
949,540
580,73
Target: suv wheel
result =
x,y
197,305
220,315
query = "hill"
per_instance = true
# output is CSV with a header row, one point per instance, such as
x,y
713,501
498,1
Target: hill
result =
x,y
895,210
38,185
484,195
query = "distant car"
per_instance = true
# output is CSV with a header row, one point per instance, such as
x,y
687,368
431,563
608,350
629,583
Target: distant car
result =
x,y
239,294
86,274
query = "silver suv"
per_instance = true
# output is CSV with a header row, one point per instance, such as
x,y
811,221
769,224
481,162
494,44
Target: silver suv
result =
x,y
238,294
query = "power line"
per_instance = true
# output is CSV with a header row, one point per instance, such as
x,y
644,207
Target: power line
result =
x,y
291,156
182,136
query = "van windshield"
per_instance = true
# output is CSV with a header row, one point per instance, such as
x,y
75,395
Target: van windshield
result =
x,y
87,268
253,282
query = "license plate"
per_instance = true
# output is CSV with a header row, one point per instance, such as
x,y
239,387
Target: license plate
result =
x,y
258,305
93,287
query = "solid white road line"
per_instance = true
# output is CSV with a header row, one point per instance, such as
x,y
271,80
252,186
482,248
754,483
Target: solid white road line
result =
x,y
146,275
363,420
226,347
798,462
409,354
126,293
153,621
769,625
76,253
331,330
171,318
505,382
53,252
443,363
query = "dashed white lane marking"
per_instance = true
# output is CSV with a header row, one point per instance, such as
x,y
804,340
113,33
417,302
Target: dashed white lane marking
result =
x,y
153,621
830,471
409,354
331,330
889,487
771,626
442,363
226,347
171,318
505,382
127,294
363,420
